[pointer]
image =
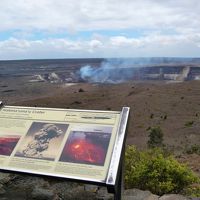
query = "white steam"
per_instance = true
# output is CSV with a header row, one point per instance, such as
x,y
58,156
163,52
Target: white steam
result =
x,y
112,70
121,70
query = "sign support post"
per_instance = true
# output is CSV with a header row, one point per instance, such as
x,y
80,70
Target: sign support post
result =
x,y
115,179
119,187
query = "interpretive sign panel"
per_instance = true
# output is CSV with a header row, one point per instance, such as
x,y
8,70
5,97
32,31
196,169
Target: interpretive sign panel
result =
x,y
76,144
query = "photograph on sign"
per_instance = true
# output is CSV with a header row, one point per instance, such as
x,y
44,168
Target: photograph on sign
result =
x,y
8,143
42,141
87,147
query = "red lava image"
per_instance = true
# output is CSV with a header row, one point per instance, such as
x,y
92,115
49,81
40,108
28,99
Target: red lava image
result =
x,y
85,151
7,144
86,148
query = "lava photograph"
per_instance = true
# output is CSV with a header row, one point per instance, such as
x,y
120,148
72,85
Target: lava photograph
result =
x,y
86,148
7,144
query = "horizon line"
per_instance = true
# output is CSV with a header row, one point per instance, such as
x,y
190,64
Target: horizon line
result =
x,y
100,58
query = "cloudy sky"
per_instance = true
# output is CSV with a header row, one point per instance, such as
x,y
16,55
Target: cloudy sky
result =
x,y
99,28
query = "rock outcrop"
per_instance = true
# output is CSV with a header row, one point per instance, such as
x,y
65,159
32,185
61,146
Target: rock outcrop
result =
x,y
27,187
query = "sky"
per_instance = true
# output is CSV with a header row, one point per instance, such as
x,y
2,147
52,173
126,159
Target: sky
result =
x,y
36,29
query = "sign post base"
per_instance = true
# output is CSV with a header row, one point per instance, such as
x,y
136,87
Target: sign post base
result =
x,y
119,188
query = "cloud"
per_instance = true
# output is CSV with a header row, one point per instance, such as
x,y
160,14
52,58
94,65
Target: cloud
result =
x,y
70,15
166,28
55,48
146,46
95,44
124,41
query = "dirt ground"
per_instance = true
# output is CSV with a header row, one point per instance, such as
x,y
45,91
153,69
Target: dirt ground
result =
x,y
175,107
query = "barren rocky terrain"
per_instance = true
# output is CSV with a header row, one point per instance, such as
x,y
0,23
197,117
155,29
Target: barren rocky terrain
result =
x,y
175,107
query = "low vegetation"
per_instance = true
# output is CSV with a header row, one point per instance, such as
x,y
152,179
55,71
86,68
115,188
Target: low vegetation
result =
x,y
155,137
158,172
189,123
193,149
193,190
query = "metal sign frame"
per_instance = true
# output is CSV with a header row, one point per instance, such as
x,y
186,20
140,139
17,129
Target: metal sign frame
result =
x,y
114,179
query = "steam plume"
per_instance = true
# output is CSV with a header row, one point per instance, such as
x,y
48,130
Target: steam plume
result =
x,y
110,71
119,70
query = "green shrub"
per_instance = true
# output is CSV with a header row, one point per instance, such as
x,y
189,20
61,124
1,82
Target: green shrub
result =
x,y
152,170
189,123
193,149
165,117
152,115
193,190
155,137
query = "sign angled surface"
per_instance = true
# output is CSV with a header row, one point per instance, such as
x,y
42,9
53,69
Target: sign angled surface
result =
x,y
76,144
